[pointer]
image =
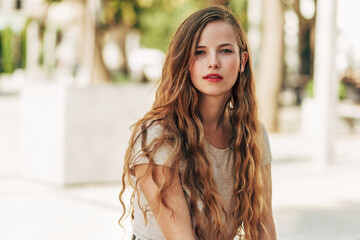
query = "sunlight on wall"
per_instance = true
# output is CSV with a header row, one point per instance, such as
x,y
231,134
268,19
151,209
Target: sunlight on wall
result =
x,y
349,34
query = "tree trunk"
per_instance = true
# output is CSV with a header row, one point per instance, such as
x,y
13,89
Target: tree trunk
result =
x,y
306,41
92,60
120,31
270,74
100,73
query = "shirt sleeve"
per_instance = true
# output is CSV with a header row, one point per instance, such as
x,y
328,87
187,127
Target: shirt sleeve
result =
x,y
161,154
267,157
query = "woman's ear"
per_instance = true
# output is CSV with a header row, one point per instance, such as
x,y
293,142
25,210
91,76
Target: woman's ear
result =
x,y
244,58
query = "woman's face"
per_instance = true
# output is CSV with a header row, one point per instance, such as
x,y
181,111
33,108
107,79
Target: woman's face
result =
x,y
216,66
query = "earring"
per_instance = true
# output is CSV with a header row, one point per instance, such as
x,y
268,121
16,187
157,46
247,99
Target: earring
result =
x,y
231,102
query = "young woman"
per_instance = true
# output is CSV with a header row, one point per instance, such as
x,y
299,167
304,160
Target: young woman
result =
x,y
199,160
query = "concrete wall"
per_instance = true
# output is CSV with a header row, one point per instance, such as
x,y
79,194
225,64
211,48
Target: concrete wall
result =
x,y
72,135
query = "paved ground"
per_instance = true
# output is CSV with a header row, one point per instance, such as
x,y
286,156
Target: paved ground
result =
x,y
309,203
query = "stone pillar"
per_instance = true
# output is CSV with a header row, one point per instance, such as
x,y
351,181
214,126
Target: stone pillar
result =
x,y
49,49
32,48
88,47
325,81
254,30
271,60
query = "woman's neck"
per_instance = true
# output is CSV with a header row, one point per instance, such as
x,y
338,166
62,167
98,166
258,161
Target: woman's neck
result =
x,y
213,111
216,120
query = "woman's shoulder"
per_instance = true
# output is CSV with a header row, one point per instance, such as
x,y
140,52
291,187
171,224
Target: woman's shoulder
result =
x,y
150,131
147,135
155,129
265,144
264,134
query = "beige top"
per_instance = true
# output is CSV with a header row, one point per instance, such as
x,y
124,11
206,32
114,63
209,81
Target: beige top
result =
x,y
222,177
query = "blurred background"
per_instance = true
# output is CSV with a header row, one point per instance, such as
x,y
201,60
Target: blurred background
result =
x,y
75,74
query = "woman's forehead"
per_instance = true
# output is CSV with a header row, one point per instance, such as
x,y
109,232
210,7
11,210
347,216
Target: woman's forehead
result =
x,y
218,33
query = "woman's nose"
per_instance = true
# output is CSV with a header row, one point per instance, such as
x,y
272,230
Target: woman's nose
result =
x,y
213,61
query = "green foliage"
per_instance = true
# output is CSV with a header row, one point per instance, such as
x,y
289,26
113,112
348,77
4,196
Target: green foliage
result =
x,y
309,89
157,20
12,49
23,45
120,12
6,51
342,91
1,59
120,78
16,50
239,8
160,22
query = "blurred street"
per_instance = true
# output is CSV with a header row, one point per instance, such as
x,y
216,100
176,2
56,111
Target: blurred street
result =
x,y
309,203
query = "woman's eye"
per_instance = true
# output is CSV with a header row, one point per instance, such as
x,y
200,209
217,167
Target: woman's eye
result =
x,y
199,52
226,51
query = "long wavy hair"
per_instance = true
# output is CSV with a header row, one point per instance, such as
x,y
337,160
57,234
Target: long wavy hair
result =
x,y
176,110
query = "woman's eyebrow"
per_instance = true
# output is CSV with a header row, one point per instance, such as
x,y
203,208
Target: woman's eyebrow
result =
x,y
221,45
226,45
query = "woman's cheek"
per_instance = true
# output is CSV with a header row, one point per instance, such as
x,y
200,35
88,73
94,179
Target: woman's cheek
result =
x,y
233,64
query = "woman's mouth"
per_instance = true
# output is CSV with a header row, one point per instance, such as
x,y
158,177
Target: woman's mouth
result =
x,y
213,77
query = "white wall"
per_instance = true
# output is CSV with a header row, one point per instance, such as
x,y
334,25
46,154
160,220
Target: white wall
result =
x,y
72,135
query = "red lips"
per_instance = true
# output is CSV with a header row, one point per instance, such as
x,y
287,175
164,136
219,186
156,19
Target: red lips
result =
x,y
213,77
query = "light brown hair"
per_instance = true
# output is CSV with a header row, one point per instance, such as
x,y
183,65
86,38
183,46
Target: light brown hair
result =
x,y
176,110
